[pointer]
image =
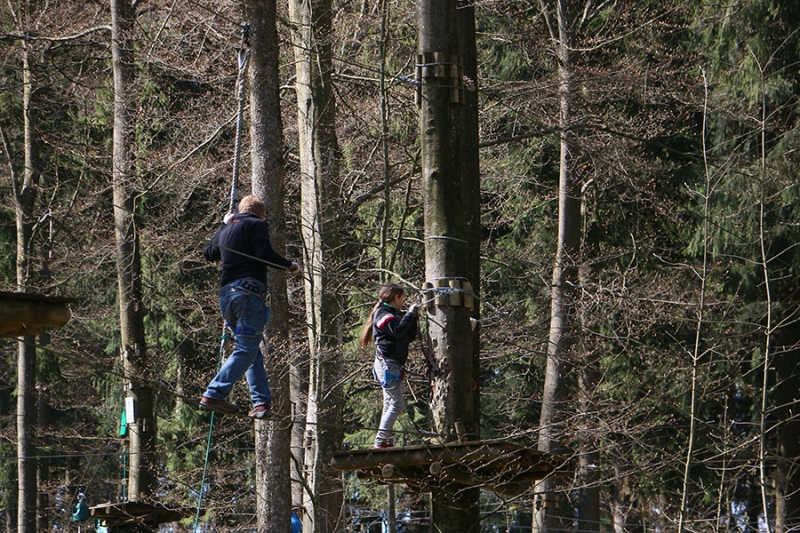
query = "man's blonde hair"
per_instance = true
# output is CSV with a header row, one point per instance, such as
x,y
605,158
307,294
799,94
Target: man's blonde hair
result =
x,y
252,204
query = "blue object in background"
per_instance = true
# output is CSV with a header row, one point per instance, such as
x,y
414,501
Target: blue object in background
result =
x,y
297,524
80,512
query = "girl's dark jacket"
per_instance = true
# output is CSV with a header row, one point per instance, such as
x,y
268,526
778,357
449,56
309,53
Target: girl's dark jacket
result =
x,y
393,331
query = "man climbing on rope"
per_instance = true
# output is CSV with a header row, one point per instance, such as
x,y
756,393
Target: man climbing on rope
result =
x,y
242,243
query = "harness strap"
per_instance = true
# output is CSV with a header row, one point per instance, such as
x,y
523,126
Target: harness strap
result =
x,y
246,287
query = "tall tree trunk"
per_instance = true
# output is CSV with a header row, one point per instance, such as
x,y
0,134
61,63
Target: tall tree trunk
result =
x,y
319,168
26,353
447,245
563,298
141,422
298,388
588,496
471,181
273,437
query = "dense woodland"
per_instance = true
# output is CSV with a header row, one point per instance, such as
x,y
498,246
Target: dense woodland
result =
x,y
638,253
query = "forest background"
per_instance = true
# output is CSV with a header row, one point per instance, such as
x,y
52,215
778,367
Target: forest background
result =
x,y
680,381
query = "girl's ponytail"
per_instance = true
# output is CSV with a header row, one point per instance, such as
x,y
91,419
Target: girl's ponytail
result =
x,y
387,294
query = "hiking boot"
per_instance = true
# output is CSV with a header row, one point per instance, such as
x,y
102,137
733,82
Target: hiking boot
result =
x,y
260,411
220,406
383,444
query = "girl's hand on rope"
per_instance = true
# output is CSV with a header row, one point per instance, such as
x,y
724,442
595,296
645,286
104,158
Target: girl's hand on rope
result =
x,y
294,268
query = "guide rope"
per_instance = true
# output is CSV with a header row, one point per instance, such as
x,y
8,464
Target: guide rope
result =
x,y
243,60
210,432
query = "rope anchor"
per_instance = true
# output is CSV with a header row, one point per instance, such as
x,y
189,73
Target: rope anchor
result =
x,y
451,292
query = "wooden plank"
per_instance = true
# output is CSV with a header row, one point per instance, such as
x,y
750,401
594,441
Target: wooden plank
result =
x,y
455,296
152,514
24,314
441,298
467,286
489,456
426,296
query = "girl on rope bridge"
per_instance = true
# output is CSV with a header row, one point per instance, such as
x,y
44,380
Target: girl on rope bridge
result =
x,y
392,331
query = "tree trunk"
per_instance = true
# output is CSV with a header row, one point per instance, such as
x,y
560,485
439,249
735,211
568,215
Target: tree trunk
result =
x,y
588,474
141,422
273,487
298,387
588,497
447,246
26,353
471,182
546,510
319,168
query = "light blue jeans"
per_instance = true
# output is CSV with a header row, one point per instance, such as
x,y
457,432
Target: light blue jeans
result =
x,y
388,372
247,315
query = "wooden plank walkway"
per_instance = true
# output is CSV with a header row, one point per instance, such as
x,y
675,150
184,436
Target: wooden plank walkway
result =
x,y
146,515
501,466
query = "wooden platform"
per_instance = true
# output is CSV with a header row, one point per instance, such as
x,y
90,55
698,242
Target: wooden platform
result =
x,y
501,466
24,314
130,513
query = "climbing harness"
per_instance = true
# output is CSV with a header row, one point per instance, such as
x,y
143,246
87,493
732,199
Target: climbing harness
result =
x,y
251,288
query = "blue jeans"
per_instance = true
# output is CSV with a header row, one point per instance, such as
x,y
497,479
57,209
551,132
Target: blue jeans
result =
x,y
388,372
247,315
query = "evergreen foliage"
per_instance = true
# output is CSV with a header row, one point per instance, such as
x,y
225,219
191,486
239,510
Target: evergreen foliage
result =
x,y
689,225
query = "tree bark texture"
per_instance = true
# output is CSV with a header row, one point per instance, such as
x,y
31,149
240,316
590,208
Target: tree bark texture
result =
x,y
564,283
319,170
26,351
588,473
471,181
26,425
141,423
448,247
272,437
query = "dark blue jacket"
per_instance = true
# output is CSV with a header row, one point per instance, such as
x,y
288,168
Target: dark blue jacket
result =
x,y
393,331
243,246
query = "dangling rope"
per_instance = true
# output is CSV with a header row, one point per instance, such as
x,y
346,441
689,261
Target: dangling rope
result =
x,y
210,431
243,60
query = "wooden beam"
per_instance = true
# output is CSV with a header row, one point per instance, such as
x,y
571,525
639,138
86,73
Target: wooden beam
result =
x,y
23,314
138,511
499,463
